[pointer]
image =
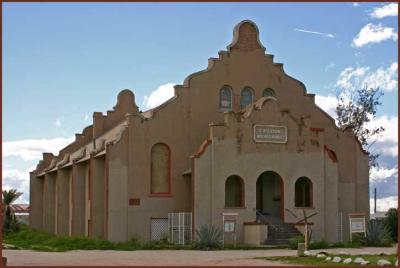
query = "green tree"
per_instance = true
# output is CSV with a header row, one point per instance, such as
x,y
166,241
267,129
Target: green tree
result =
x,y
391,222
355,110
10,222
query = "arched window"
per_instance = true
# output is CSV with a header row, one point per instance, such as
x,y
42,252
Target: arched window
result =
x,y
160,169
268,92
225,99
303,192
234,192
246,97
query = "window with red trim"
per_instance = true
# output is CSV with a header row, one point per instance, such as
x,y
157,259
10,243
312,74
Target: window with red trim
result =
x,y
160,169
303,192
234,192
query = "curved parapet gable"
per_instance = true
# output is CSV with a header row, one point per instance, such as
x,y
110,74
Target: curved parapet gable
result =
x,y
126,102
246,37
102,123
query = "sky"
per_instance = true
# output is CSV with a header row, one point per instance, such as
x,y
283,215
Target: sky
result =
x,y
64,61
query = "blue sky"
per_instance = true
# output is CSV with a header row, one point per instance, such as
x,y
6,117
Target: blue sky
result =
x,y
63,61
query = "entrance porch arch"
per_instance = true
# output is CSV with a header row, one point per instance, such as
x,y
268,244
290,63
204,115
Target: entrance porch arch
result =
x,y
270,195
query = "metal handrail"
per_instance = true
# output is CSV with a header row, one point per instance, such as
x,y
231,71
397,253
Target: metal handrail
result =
x,y
265,220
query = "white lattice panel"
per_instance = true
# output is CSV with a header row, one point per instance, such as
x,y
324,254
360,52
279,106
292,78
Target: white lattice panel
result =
x,y
159,228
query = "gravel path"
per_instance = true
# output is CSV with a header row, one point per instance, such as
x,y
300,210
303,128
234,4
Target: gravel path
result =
x,y
161,257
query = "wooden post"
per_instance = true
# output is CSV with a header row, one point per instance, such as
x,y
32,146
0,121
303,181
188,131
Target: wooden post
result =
x,y
305,237
305,230
305,222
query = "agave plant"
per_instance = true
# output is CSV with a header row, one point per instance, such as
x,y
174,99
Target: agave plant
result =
x,y
377,234
208,237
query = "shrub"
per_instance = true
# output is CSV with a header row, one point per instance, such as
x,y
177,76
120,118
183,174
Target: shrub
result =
x,y
208,237
164,238
377,235
294,241
391,222
11,224
347,244
132,244
322,244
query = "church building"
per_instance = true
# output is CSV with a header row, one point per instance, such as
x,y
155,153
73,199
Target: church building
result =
x,y
241,146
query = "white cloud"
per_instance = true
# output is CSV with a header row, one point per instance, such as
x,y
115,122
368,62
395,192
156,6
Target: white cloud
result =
x,y
27,150
33,148
387,141
313,32
327,103
385,11
58,122
350,77
384,78
330,66
382,174
372,33
15,179
159,96
86,118
356,4
383,204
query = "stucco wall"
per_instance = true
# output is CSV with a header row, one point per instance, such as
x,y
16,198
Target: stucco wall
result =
x,y
330,193
117,191
142,136
49,201
255,234
290,166
98,196
63,201
36,201
79,199
182,123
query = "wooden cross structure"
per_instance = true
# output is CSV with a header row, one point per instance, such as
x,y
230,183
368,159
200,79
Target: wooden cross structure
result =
x,y
304,221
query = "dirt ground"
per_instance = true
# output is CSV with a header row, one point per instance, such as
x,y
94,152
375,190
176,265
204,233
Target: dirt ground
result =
x,y
163,257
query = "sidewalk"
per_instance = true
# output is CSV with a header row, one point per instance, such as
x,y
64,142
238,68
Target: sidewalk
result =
x,y
163,257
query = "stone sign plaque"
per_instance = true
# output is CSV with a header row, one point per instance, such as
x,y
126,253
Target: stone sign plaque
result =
x,y
357,225
270,134
229,226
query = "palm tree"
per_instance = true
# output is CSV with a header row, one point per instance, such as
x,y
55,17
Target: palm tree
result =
x,y
10,221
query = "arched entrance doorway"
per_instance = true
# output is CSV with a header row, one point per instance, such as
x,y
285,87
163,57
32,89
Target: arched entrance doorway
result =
x,y
269,195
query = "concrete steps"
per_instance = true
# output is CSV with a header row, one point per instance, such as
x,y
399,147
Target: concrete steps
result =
x,y
281,233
